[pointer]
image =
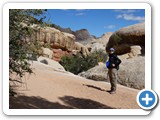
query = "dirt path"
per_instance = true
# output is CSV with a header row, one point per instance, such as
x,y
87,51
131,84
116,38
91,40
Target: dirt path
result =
x,y
48,89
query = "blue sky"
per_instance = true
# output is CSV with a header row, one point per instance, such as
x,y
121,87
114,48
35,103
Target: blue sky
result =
x,y
96,21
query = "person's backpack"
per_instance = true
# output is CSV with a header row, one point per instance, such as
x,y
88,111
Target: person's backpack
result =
x,y
107,64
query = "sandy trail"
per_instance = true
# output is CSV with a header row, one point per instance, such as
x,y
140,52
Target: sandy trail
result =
x,y
50,89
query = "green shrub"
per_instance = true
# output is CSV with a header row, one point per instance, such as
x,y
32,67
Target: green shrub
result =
x,y
77,64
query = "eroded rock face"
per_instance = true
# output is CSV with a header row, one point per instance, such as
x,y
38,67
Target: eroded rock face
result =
x,y
61,43
81,48
123,39
55,38
58,54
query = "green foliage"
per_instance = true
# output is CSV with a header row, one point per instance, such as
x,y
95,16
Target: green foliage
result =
x,y
116,38
20,21
47,45
11,92
77,64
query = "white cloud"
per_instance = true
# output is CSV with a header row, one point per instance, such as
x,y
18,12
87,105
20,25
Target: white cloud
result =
x,y
127,14
131,11
125,11
79,14
109,27
119,16
131,17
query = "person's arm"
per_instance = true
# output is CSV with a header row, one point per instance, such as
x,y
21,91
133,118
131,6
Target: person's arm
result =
x,y
117,61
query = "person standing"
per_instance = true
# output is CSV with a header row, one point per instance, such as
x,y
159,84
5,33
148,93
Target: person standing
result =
x,y
113,66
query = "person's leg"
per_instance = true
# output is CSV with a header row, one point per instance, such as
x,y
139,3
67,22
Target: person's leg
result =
x,y
110,77
113,79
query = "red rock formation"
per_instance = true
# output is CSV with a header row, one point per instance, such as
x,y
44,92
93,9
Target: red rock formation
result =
x,y
58,54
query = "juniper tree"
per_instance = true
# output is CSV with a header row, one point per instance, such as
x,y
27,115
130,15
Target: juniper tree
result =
x,y
20,21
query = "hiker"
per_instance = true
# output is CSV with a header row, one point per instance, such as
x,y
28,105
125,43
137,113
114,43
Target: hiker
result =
x,y
113,66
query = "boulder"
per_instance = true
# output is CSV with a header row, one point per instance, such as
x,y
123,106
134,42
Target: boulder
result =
x,y
97,73
81,48
130,74
135,51
51,63
123,39
47,52
75,52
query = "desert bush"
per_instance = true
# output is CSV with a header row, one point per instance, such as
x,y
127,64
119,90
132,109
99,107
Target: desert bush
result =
x,y
77,64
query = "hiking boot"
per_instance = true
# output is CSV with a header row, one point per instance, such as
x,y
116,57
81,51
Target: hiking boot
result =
x,y
113,92
109,91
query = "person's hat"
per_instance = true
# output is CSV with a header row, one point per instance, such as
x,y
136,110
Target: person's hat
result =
x,y
111,49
